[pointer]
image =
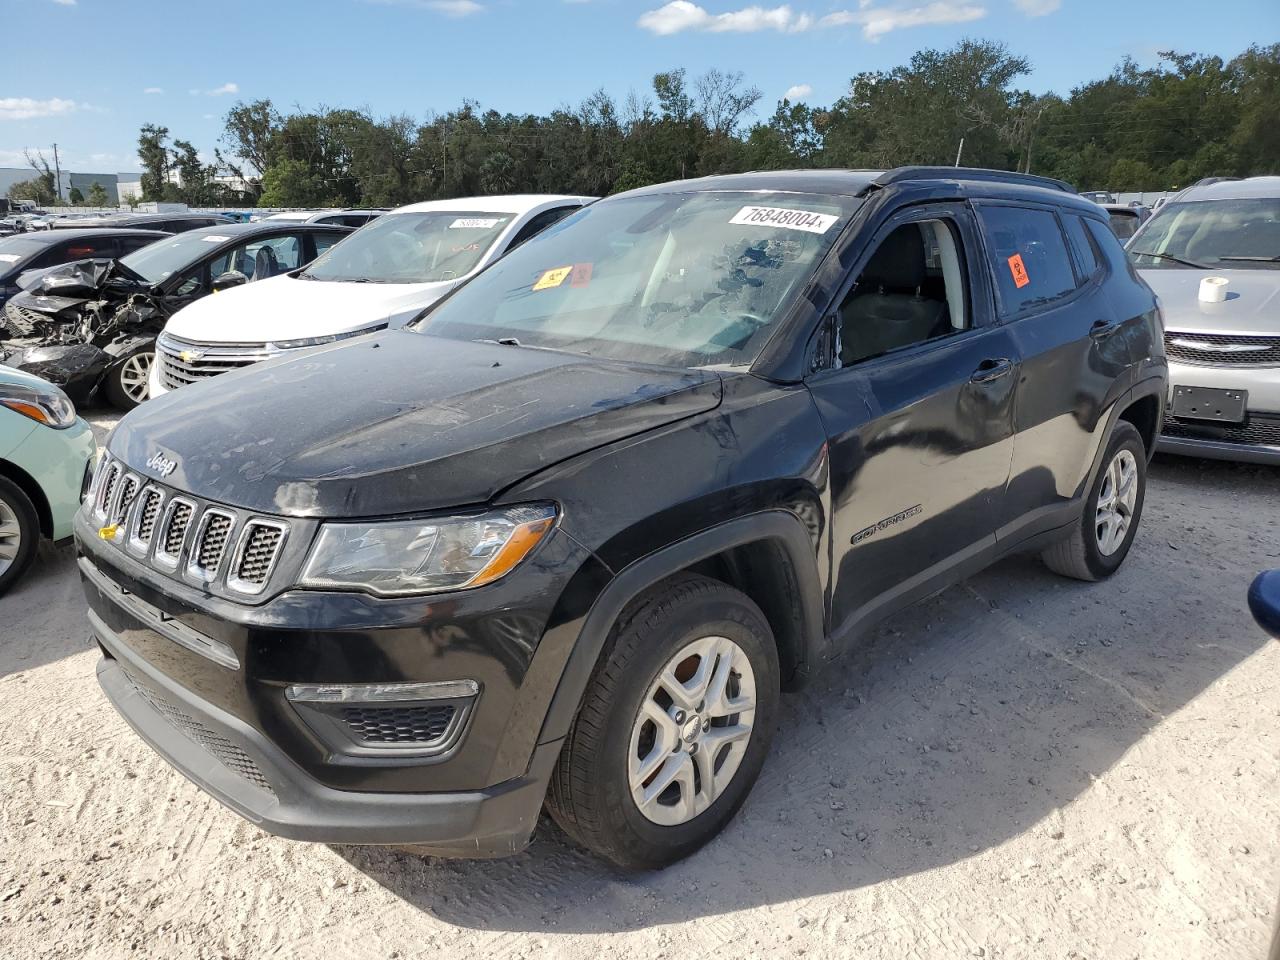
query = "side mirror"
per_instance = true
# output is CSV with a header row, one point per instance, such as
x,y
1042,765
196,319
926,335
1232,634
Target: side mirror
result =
x,y
232,278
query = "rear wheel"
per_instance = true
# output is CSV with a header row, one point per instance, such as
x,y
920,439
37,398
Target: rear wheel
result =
x,y
674,727
19,531
127,384
1101,541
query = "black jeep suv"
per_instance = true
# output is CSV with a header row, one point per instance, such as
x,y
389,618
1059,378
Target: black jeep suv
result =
x,y
564,540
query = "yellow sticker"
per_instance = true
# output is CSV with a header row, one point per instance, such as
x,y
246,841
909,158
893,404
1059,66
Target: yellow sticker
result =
x,y
553,278
109,532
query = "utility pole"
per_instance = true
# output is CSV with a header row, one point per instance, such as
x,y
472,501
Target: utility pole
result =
x,y
959,150
57,173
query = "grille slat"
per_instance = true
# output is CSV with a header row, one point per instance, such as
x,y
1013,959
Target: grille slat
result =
x,y
128,490
259,552
176,532
203,360
108,488
212,542
1258,430
1199,348
150,510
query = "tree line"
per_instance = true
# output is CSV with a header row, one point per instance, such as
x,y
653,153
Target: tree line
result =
x,y
1139,128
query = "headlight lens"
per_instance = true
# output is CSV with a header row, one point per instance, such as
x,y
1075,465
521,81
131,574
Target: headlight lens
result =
x,y
318,341
403,558
44,404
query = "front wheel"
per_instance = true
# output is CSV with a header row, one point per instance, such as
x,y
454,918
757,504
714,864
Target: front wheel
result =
x,y
1099,543
674,727
19,531
127,384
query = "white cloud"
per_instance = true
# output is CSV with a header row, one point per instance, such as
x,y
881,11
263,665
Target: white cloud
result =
x,y
449,8
153,90
681,15
65,3
1037,8
798,92
26,108
226,88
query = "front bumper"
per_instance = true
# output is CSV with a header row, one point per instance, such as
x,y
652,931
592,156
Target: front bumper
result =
x,y
1255,441
243,770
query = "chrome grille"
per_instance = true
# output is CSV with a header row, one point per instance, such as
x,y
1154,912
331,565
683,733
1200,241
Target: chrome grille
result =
x,y
1258,430
218,547
187,361
257,554
22,322
1214,349
211,542
176,531
147,515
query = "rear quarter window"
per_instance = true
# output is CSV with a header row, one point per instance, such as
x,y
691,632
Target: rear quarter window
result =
x,y
1028,257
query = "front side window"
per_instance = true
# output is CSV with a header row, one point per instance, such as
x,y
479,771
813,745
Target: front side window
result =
x,y
412,248
911,290
687,279
169,255
1028,256
1211,233
260,259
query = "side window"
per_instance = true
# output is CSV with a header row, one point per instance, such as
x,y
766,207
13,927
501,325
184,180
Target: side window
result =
x,y
260,259
910,291
1108,246
538,224
1087,257
1028,256
193,283
85,249
130,244
324,241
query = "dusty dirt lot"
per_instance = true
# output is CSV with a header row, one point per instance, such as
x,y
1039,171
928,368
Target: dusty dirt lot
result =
x,y
1021,767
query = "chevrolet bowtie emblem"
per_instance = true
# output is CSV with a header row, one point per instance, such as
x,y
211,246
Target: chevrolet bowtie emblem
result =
x,y
109,532
189,355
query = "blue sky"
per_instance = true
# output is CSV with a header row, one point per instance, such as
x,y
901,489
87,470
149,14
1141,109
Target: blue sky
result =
x,y
87,73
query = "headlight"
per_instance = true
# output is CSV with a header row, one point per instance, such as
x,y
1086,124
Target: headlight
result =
x,y
425,556
318,341
43,403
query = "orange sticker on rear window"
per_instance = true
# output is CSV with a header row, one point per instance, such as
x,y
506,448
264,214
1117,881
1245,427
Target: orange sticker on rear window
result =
x,y
1019,271
552,278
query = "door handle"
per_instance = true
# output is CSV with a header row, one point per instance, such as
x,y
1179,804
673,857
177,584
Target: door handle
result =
x,y
989,370
1103,328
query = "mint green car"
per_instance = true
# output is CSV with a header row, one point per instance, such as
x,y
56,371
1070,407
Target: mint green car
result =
x,y
46,452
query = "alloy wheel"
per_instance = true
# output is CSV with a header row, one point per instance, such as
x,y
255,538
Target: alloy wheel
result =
x,y
134,376
692,731
1116,500
10,536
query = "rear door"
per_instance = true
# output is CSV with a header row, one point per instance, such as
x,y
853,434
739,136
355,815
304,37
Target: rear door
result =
x,y
1051,297
918,410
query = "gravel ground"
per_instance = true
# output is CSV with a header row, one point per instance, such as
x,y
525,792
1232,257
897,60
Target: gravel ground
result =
x,y
1021,767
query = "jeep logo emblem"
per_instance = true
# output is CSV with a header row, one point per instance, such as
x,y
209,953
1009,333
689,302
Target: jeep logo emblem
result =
x,y
162,464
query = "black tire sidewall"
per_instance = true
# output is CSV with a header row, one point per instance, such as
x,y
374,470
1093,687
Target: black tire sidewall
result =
x,y
1125,436
742,623
28,523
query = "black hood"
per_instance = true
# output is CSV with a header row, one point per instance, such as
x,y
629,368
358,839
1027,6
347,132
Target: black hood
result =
x,y
82,280
398,423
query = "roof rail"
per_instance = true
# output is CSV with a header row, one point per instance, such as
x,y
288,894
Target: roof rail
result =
x,y
899,174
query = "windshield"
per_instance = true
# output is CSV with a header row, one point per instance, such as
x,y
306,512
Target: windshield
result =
x,y
1124,224
160,260
412,248
1211,233
693,279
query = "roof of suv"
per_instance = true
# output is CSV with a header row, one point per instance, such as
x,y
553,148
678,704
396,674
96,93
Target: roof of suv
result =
x,y
1250,187
515,203
856,183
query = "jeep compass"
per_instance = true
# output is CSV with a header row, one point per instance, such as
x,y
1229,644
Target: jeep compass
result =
x,y
563,541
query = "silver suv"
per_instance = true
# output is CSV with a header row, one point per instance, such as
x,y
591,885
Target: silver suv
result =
x,y
1222,337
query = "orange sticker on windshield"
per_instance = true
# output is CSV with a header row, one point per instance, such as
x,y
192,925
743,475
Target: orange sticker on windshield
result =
x,y
552,278
1019,271
581,275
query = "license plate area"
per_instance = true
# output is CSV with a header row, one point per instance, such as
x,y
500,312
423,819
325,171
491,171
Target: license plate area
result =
x,y
1209,404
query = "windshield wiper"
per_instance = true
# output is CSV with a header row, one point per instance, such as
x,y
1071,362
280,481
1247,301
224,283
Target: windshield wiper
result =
x,y
1169,256
1252,259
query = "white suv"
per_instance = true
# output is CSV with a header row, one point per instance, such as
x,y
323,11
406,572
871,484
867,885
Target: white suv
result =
x,y
381,276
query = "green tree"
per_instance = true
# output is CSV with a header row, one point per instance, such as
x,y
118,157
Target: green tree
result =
x,y
75,197
97,196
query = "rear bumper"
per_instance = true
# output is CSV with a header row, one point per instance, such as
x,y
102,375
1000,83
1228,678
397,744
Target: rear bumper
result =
x,y
243,770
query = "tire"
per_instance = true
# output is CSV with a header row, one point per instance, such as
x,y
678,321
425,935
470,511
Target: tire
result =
x,y
121,384
19,533
1088,554
591,795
